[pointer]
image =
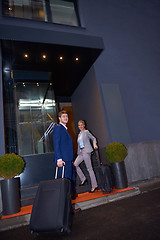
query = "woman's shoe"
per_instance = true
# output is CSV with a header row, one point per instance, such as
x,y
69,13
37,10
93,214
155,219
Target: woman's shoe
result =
x,y
92,191
85,181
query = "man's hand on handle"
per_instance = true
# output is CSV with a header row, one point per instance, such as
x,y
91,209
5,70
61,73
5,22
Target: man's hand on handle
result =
x,y
60,163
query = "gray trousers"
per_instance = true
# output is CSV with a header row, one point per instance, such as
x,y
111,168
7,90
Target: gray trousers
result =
x,y
86,157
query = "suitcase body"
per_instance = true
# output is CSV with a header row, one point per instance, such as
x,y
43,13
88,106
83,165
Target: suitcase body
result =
x,y
106,179
52,208
105,176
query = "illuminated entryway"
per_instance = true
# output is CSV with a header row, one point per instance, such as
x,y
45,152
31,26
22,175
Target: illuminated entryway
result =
x,y
30,112
37,79
35,114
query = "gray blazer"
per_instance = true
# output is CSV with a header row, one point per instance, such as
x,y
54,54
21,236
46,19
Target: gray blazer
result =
x,y
86,136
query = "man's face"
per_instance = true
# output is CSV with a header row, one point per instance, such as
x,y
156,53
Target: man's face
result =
x,y
63,119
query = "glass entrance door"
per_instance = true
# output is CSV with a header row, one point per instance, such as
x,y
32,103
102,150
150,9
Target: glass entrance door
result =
x,y
35,115
30,112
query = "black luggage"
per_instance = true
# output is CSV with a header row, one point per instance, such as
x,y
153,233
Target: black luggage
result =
x,y
52,208
105,176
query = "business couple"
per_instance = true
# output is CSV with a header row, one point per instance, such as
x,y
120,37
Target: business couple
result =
x,y
63,151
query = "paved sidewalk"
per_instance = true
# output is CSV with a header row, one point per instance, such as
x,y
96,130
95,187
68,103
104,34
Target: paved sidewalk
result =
x,y
139,188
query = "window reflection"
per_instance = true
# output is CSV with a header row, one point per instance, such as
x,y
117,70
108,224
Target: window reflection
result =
x,y
30,9
63,12
35,110
56,11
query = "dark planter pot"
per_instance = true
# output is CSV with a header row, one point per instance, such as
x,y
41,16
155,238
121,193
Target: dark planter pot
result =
x,y
120,176
10,195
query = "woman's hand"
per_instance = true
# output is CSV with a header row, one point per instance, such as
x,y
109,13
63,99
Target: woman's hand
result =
x,y
95,147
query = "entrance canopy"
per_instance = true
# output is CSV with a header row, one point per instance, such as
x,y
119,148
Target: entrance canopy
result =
x,y
68,56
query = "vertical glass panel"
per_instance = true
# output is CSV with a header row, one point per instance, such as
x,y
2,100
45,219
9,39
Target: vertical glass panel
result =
x,y
27,9
38,9
18,8
25,143
7,7
63,12
35,113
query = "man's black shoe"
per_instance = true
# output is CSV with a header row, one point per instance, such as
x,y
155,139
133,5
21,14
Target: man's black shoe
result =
x,y
74,195
77,210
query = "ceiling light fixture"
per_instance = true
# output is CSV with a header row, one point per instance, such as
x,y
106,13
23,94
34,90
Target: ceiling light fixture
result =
x,y
77,59
26,55
44,56
61,58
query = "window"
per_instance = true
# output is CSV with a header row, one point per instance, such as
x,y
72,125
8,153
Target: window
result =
x,y
30,112
30,9
35,109
55,11
63,12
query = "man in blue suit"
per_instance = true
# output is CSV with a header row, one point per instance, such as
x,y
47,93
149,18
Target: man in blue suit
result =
x,y
63,149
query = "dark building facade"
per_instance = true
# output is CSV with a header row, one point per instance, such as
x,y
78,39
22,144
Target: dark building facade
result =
x,y
98,58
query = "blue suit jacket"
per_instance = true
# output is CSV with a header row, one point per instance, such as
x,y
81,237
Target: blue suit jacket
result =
x,y
63,149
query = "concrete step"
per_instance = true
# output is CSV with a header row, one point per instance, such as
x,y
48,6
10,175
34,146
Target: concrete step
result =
x,y
20,221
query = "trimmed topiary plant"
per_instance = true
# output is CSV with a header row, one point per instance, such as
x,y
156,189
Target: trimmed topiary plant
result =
x,y
116,152
11,165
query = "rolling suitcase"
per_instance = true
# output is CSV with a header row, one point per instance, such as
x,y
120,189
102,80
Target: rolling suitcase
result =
x,y
105,176
52,208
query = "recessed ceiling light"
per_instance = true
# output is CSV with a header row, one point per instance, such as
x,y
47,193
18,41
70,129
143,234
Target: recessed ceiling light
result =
x,y
26,55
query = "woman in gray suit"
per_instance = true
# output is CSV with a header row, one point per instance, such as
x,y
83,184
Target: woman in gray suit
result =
x,y
84,154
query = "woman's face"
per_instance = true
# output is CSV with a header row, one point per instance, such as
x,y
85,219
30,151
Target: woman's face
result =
x,y
81,126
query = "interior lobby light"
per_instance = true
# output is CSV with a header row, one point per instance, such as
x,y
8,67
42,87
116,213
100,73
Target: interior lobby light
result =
x,y
6,69
37,84
44,56
24,84
27,103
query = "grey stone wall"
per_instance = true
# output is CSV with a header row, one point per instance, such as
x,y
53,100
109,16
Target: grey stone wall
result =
x,y
143,160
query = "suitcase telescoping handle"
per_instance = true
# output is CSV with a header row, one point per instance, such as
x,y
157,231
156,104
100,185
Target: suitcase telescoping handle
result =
x,y
56,174
98,158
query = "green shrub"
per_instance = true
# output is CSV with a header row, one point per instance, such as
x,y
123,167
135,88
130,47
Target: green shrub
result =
x,y
11,165
116,152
